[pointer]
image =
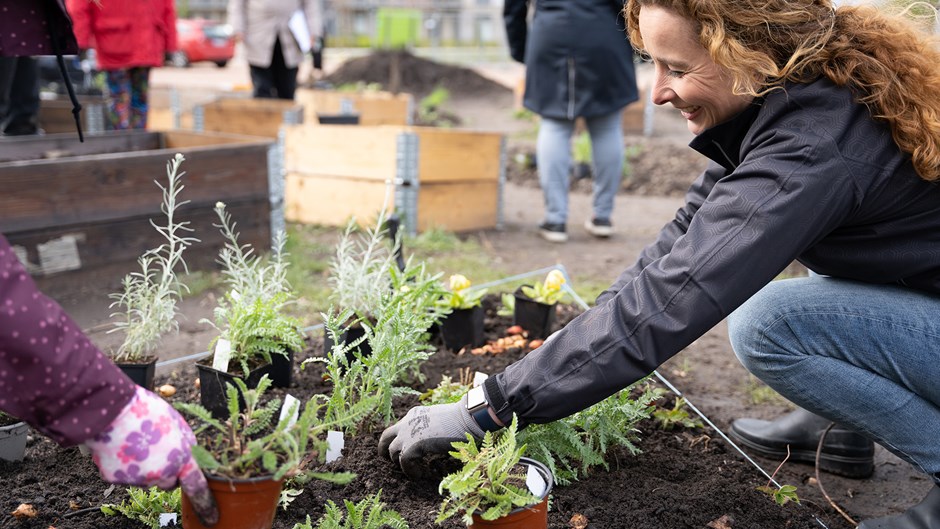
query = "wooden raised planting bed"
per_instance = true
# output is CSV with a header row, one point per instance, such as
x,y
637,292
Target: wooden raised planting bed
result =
x,y
249,116
441,178
73,210
373,108
55,115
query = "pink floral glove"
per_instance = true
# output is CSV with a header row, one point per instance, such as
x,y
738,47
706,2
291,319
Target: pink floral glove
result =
x,y
150,444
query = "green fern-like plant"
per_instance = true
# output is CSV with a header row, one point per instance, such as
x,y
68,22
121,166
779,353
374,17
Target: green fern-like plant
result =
x,y
491,482
570,447
370,513
145,506
149,296
253,442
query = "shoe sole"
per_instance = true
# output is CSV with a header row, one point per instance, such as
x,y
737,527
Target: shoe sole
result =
x,y
598,231
845,466
553,236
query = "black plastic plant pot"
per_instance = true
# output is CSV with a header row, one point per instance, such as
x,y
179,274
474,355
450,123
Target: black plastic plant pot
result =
x,y
338,119
13,441
141,373
531,516
463,328
282,369
536,318
212,384
350,335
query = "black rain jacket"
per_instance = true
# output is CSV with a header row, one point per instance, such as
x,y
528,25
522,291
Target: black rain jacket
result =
x,y
805,174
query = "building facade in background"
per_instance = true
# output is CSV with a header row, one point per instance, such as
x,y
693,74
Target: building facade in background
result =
x,y
367,22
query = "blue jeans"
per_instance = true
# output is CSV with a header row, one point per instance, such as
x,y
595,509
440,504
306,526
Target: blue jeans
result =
x,y
553,155
865,356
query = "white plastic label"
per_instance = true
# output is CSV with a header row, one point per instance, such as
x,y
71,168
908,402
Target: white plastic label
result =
x,y
167,518
535,482
291,405
479,378
222,355
335,444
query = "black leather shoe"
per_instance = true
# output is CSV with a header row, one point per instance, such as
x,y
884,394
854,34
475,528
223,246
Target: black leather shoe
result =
x,y
845,452
924,515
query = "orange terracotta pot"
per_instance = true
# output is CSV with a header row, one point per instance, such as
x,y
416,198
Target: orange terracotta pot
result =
x,y
531,517
243,504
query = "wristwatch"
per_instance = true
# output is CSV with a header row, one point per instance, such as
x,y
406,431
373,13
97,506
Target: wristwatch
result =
x,y
479,409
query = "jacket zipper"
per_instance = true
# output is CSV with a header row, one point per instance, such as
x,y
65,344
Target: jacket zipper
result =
x,y
571,74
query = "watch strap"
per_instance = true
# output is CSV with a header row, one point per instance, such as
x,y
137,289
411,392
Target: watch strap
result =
x,y
483,419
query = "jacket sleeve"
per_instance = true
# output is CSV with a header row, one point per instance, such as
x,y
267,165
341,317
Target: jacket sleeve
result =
x,y
515,13
51,375
751,225
314,18
236,16
169,22
670,232
80,11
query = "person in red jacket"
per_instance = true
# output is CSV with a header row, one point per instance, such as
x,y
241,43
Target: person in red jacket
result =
x,y
129,38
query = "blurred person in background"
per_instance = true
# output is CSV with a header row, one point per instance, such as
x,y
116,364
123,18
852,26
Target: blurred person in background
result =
x,y
19,96
269,31
129,38
579,64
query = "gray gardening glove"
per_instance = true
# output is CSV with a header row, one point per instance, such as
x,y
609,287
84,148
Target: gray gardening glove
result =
x,y
420,440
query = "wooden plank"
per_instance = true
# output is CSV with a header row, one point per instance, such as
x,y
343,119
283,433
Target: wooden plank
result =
x,y
125,239
331,201
342,150
253,117
162,119
97,188
374,108
458,206
181,139
55,115
51,146
447,155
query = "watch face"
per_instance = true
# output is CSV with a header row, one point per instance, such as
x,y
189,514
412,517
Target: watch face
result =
x,y
476,398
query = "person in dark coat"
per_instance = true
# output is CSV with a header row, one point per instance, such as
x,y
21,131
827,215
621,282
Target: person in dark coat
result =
x,y
822,127
51,375
579,64
19,96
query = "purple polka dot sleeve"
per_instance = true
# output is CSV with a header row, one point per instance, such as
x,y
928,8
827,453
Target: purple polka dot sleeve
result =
x,y
51,375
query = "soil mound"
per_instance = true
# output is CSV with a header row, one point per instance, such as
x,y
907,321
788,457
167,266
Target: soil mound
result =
x,y
414,75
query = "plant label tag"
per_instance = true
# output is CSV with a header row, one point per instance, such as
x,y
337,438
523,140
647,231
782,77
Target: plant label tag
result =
x,y
535,482
479,378
291,405
167,519
222,355
335,444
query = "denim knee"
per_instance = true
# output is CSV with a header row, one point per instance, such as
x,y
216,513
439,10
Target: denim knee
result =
x,y
757,329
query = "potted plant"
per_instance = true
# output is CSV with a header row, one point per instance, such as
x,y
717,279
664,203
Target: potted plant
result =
x,y
149,296
255,337
534,306
497,487
12,438
581,156
247,457
360,276
463,326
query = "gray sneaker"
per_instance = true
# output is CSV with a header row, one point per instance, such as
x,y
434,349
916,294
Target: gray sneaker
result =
x,y
553,232
601,228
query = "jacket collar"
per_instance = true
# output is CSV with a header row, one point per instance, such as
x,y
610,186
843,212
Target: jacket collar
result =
x,y
722,143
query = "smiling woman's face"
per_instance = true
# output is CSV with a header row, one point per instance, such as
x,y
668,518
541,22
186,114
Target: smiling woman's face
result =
x,y
685,75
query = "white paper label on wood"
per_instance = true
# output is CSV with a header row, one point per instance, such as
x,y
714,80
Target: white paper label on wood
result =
x,y
222,355
335,444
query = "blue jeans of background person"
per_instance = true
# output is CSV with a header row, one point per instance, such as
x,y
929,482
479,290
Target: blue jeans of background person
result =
x,y
553,156
865,356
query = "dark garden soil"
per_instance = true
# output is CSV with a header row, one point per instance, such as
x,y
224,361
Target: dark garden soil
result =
x,y
683,478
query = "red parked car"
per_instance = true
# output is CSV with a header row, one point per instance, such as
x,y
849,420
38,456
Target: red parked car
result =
x,y
203,40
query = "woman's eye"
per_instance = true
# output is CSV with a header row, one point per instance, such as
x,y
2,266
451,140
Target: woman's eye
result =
x,y
675,73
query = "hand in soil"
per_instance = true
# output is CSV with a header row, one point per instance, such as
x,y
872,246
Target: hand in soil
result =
x,y
427,431
149,444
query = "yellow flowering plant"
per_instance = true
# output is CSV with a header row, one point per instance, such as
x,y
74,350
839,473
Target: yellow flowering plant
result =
x,y
460,295
549,291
